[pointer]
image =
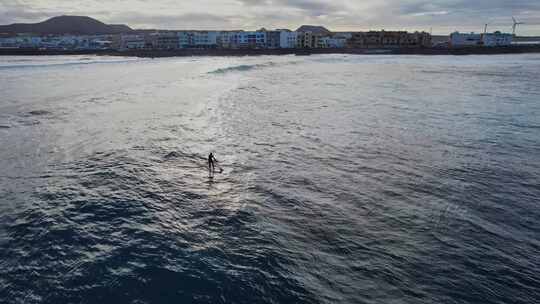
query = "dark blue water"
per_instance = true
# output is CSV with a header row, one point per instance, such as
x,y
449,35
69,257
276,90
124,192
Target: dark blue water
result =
x,y
347,179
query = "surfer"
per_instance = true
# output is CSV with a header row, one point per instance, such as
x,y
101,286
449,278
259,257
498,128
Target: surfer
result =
x,y
211,164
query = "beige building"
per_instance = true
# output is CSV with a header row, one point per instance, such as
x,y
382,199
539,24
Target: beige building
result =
x,y
310,40
389,39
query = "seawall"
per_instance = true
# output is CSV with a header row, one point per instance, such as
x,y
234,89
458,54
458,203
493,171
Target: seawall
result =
x,y
258,52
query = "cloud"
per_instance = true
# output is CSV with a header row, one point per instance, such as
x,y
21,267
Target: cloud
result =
x,y
441,15
430,13
174,21
312,7
15,11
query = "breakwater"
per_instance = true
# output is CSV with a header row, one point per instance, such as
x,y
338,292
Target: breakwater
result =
x,y
517,49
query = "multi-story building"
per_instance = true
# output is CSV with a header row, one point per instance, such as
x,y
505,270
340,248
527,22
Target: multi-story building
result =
x,y
58,42
21,41
273,39
308,40
332,42
344,35
389,39
100,44
288,39
249,40
419,39
8,42
132,41
225,39
198,39
167,41
458,39
497,39
33,41
205,39
185,39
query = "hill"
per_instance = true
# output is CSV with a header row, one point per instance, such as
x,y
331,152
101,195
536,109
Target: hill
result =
x,y
80,25
320,30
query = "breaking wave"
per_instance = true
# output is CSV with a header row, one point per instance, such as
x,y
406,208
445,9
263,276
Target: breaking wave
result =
x,y
251,67
60,62
242,68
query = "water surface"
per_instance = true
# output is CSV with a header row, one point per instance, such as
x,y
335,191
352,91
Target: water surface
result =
x,y
347,179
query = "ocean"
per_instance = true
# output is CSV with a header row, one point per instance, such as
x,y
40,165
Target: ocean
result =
x,y
346,179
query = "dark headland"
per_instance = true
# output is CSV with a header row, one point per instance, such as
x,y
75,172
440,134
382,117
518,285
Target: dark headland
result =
x,y
74,25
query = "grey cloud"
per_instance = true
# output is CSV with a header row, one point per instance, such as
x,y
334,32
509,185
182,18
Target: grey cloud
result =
x,y
313,7
181,21
249,14
456,14
466,8
15,12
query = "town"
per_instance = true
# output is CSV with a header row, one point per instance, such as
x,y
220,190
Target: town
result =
x,y
305,37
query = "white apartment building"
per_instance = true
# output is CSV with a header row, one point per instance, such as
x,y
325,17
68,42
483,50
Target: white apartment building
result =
x,y
249,40
288,39
488,39
198,39
497,39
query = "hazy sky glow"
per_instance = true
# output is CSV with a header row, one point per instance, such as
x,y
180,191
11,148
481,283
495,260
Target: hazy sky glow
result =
x,y
443,16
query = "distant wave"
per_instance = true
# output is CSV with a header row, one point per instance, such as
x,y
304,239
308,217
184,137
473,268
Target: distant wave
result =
x,y
250,67
242,68
40,64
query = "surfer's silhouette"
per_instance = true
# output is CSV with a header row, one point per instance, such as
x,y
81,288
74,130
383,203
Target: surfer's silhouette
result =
x,y
211,164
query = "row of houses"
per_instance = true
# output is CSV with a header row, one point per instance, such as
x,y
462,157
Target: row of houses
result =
x,y
303,38
63,42
383,39
213,39
273,39
306,37
458,39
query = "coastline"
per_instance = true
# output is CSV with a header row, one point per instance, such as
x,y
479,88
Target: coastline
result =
x,y
518,49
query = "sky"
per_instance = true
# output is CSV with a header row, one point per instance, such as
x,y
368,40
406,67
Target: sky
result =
x,y
438,16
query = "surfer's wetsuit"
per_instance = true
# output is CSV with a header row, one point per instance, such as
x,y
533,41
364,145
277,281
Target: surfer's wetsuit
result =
x,y
211,165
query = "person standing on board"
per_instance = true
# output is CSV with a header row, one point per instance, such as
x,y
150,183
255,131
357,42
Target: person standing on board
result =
x,y
211,164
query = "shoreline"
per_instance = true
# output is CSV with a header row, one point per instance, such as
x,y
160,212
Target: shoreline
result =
x,y
521,49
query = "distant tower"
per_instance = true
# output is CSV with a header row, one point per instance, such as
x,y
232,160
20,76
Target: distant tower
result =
x,y
515,25
483,36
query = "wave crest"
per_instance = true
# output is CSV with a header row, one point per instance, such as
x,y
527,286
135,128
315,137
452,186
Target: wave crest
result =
x,y
242,68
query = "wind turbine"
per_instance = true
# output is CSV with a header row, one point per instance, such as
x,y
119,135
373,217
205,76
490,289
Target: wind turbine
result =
x,y
485,27
514,26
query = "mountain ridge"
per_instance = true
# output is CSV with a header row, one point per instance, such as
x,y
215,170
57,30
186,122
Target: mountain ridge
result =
x,y
80,25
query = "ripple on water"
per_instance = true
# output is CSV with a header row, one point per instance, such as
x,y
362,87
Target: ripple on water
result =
x,y
123,219
393,187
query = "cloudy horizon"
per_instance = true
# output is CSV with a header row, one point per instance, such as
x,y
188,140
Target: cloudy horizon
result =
x,y
440,16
